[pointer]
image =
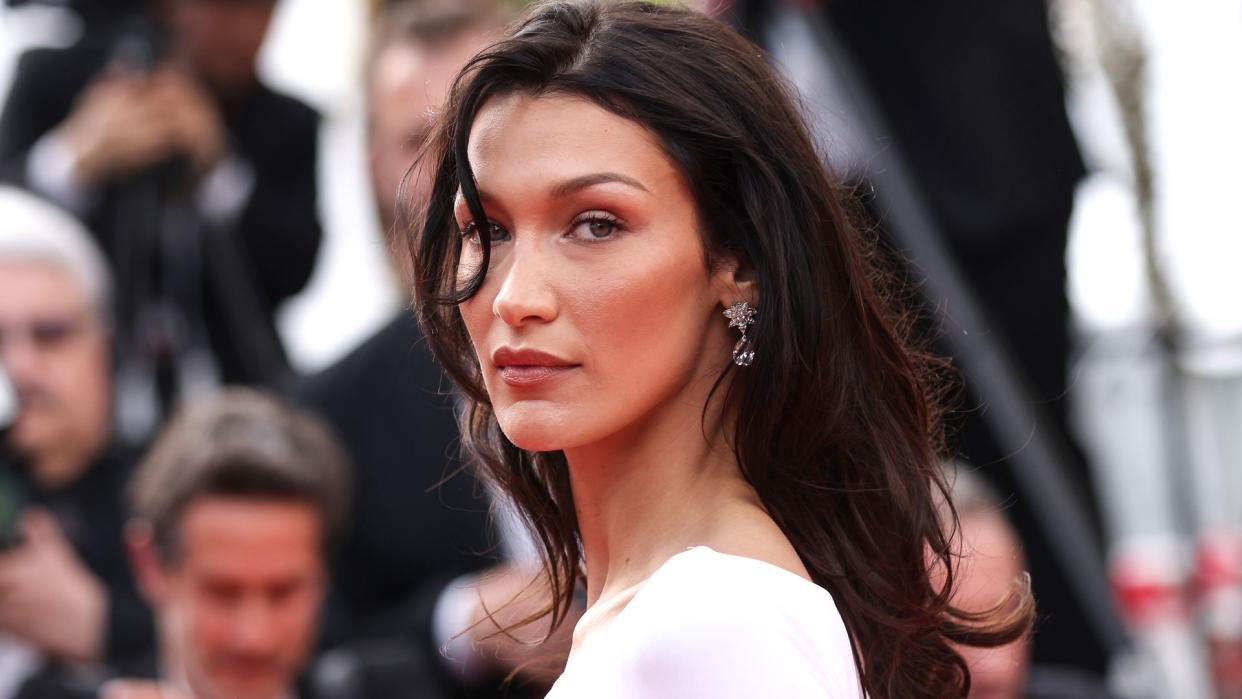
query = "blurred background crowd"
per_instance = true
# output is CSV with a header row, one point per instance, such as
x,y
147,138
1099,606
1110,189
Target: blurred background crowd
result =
x,y
228,463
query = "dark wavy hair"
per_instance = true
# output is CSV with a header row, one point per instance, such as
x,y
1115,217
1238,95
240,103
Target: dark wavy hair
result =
x,y
835,421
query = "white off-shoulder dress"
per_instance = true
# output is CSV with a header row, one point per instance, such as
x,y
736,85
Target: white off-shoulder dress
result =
x,y
709,624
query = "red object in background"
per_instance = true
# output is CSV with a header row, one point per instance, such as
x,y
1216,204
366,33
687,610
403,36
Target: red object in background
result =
x,y
1218,564
1149,587
1218,598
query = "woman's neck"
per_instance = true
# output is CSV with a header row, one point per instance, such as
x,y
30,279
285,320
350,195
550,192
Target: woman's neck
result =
x,y
653,490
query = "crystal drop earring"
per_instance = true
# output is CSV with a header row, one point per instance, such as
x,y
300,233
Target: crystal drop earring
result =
x,y
741,315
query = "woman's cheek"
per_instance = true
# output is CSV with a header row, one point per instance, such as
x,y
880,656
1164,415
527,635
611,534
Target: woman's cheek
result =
x,y
643,320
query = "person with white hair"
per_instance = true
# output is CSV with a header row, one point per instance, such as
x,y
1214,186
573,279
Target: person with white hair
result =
x,y
66,594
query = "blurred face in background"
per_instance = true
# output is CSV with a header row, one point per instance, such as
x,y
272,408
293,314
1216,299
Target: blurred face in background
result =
x,y
55,351
219,39
992,562
408,84
238,607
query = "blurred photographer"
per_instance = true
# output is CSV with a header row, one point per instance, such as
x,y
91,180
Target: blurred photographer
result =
x,y
198,180
66,595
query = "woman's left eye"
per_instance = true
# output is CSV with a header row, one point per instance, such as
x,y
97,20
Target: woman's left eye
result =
x,y
595,227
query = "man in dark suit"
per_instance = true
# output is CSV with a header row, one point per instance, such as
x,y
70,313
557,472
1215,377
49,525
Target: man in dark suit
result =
x,y
199,181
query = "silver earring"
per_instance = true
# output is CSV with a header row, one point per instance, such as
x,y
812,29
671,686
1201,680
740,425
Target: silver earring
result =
x,y
741,315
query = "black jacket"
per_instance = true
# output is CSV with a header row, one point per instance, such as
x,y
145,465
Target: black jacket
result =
x,y
277,236
975,99
91,512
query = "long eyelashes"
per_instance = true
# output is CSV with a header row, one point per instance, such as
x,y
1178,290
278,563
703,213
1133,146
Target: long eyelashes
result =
x,y
596,226
590,227
471,230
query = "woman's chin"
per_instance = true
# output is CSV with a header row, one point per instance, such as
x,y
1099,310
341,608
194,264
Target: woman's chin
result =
x,y
535,439
536,444
537,428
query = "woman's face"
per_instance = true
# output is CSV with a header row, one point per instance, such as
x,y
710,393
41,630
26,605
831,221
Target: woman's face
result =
x,y
599,313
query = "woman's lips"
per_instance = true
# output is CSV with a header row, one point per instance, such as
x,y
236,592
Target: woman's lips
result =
x,y
519,375
529,367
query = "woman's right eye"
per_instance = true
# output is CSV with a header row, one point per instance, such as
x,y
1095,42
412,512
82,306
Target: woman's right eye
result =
x,y
497,232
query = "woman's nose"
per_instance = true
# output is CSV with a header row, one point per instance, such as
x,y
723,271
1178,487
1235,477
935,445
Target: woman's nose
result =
x,y
526,292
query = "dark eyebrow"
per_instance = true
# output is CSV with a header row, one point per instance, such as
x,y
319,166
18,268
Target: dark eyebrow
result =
x,y
572,185
568,187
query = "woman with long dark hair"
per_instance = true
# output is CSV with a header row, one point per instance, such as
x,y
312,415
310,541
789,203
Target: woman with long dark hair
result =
x,y
680,366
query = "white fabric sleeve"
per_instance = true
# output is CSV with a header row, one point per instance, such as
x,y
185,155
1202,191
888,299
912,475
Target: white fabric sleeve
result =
x,y
724,626
18,662
740,657
50,172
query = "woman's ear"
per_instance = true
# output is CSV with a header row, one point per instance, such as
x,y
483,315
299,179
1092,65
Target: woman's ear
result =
x,y
735,281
